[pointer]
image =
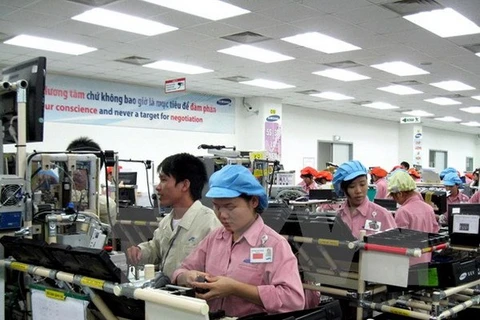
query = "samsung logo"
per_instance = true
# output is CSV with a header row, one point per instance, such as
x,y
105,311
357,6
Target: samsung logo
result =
x,y
418,135
463,276
224,101
273,118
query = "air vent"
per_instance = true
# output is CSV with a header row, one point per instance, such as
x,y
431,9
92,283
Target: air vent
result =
x,y
343,64
452,96
236,78
94,3
475,48
406,7
246,37
361,102
408,83
136,60
308,92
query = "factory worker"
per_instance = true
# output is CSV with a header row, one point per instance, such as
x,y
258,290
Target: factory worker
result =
x,y
323,179
182,178
308,183
378,175
452,182
405,165
446,171
248,267
414,174
357,211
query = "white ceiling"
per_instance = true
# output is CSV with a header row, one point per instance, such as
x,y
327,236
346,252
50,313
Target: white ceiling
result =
x,y
382,34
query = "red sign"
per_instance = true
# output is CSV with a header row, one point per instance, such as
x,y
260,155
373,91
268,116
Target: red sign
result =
x,y
175,85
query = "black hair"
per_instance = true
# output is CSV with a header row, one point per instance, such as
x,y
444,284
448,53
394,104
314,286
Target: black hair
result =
x,y
184,166
86,144
247,198
405,164
307,176
345,183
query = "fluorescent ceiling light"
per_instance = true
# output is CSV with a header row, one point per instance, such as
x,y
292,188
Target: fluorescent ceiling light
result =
x,y
332,96
477,54
443,101
444,22
208,9
471,124
448,119
121,21
267,84
418,113
341,74
321,42
452,85
254,53
476,97
24,40
399,68
399,89
176,67
471,109
380,106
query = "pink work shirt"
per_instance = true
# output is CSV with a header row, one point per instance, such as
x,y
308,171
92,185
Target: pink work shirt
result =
x,y
366,211
278,282
311,186
381,189
475,198
415,214
460,198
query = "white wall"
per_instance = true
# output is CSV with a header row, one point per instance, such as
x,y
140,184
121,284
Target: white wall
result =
x,y
375,142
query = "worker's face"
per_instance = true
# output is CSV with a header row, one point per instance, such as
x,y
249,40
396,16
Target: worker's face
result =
x,y
399,197
308,181
321,181
235,214
170,191
453,190
357,191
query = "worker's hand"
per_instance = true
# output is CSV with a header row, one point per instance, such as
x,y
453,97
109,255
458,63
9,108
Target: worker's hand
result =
x,y
187,278
218,287
134,254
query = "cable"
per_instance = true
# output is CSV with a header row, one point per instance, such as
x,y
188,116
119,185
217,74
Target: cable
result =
x,y
148,185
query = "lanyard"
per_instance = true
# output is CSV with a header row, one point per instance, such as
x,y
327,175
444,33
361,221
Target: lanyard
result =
x,y
164,259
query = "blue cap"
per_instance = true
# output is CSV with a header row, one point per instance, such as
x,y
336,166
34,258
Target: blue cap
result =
x,y
446,171
232,181
452,179
348,171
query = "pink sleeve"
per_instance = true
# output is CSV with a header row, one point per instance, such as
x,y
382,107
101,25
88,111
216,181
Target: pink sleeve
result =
x,y
195,260
284,292
389,221
381,191
475,198
401,219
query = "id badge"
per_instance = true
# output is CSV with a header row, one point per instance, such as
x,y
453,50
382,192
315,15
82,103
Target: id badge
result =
x,y
261,255
373,225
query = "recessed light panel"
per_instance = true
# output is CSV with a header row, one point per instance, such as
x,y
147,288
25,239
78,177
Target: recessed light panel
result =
x,y
443,101
400,90
24,40
254,53
418,113
208,9
471,124
448,119
400,68
332,96
452,85
444,22
476,97
268,84
474,110
380,106
124,22
341,74
321,42
177,67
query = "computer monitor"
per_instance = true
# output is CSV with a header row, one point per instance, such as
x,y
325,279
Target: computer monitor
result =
x,y
33,71
464,224
389,204
128,178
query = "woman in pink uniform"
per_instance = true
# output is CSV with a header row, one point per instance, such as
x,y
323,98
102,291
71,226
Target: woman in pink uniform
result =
x,y
248,267
357,211
452,182
308,183
378,175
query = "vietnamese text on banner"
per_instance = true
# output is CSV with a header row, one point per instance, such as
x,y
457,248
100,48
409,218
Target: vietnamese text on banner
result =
x,y
96,102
